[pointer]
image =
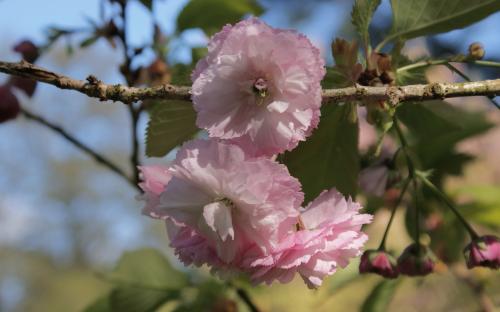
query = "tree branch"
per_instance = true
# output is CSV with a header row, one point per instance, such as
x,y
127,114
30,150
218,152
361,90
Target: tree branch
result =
x,y
97,157
94,87
394,94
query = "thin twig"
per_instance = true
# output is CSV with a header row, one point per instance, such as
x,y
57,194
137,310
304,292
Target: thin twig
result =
x,y
466,78
133,112
393,213
439,194
394,94
428,63
97,157
243,294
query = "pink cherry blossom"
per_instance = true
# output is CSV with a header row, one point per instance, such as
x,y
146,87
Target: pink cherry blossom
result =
x,y
229,199
330,236
259,87
240,215
189,246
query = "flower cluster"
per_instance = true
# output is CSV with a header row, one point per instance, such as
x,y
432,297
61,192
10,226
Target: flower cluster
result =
x,y
226,202
237,213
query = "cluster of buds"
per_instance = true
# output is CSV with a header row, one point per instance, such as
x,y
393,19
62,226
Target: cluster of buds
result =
x,y
378,71
418,260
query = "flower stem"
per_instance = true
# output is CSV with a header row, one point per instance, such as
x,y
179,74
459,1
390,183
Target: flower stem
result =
x,y
404,148
417,215
444,62
393,212
448,203
245,297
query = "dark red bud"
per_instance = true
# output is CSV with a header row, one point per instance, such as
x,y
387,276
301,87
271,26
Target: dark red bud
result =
x,y
28,50
9,106
378,262
483,251
416,260
26,85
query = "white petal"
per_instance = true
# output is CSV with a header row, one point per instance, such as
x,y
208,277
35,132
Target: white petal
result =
x,y
218,217
277,106
183,201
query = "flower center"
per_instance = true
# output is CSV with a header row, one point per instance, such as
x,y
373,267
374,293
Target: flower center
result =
x,y
300,226
226,201
260,88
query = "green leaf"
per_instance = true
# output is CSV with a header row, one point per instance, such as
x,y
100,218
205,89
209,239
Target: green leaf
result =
x,y
329,158
198,53
146,268
148,4
437,126
170,124
181,74
380,297
144,281
206,296
414,18
211,15
334,78
362,13
102,304
482,206
132,299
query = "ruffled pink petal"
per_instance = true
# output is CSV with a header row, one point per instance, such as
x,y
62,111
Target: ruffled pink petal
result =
x,y
226,103
331,239
154,179
230,200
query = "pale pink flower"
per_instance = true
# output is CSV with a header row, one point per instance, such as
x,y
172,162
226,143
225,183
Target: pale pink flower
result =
x,y
330,237
154,179
240,216
189,246
259,86
229,199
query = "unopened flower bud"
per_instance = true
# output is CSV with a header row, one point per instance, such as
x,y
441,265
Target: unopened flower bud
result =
x,y
9,106
476,51
483,251
28,50
416,260
26,85
159,72
378,262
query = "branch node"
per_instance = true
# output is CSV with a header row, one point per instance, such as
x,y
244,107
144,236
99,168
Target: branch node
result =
x,y
435,90
395,95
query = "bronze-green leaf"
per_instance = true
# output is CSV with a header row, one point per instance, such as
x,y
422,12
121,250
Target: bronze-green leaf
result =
x,y
414,18
329,158
211,15
171,123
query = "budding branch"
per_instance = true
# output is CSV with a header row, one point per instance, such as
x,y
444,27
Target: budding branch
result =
x,y
93,87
